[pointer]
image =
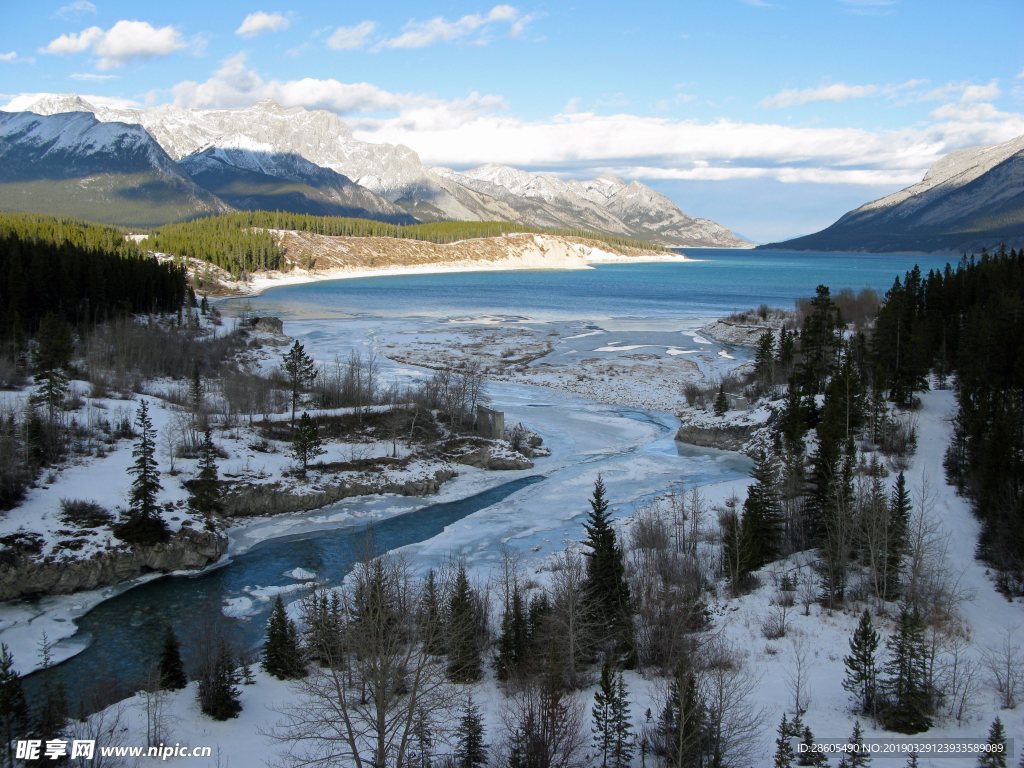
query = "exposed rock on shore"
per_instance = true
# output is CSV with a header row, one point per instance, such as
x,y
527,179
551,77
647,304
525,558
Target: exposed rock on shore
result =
x,y
187,549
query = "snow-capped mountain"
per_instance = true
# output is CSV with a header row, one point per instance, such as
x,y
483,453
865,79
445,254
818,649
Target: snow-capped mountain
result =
x,y
238,153
606,204
248,178
970,199
72,163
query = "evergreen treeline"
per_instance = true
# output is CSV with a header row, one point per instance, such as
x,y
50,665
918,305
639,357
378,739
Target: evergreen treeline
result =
x,y
240,242
82,272
969,322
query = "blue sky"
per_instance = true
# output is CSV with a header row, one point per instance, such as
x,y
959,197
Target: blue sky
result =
x,y
771,116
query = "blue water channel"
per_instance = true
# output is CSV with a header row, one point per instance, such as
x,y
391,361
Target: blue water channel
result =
x,y
125,633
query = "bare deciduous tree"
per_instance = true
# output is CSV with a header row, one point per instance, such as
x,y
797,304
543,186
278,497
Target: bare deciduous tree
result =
x,y
1005,666
376,681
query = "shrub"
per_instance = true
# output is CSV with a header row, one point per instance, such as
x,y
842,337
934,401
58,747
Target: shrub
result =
x,y
84,514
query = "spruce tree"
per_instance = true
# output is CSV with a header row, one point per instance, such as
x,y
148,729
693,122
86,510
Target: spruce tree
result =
x,y
808,755
764,361
613,737
204,489
786,352
762,513
471,751
13,709
606,588
898,530
171,670
53,356
912,760
282,656
513,641
216,692
857,756
300,370
432,619
307,444
464,665
861,672
721,402
683,730
50,720
784,757
144,524
907,706
995,755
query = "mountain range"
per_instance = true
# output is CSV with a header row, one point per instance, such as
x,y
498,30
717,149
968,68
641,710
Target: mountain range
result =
x,y
971,199
63,154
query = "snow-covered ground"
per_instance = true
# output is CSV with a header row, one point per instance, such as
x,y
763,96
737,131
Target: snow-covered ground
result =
x,y
820,638
634,452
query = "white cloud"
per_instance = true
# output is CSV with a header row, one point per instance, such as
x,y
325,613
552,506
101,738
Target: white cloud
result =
x,y
419,34
92,77
479,129
985,92
261,22
8,57
835,92
73,10
125,41
234,84
74,42
351,38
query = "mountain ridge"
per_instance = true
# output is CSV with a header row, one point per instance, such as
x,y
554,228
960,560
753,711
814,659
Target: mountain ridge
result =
x,y
392,177
970,199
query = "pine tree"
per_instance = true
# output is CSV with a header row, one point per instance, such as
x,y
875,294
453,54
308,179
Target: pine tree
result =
x,y
907,706
764,360
784,757
762,513
861,672
857,756
721,401
144,524
464,664
282,656
50,720
819,342
13,709
613,737
683,730
606,588
216,692
171,670
912,760
204,488
432,618
471,751
301,370
899,526
514,640
808,755
995,756
736,551
787,351
307,444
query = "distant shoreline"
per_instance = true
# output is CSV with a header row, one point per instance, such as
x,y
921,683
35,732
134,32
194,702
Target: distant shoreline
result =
x,y
264,281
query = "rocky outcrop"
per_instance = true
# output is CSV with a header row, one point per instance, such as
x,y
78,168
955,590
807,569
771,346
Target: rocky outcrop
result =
x,y
187,549
724,438
261,499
